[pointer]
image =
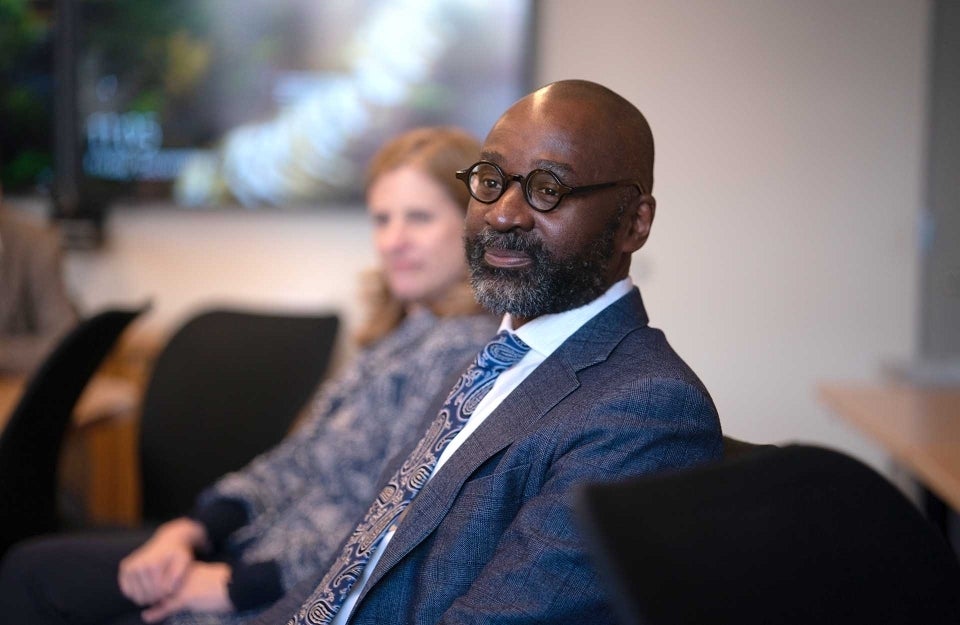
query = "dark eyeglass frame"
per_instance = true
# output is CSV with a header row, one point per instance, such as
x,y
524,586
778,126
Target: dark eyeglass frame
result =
x,y
525,180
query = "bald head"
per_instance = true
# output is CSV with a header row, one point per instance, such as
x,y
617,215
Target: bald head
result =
x,y
614,123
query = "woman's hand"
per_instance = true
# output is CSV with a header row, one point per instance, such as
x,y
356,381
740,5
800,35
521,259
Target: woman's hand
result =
x,y
156,569
204,589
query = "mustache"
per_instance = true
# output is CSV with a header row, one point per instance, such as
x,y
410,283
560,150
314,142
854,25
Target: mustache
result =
x,y
513,240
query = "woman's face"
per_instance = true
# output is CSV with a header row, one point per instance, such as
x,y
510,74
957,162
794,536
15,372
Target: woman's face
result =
x,y
418,233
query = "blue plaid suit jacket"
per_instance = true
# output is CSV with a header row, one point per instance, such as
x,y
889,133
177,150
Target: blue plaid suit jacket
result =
x,y
491,538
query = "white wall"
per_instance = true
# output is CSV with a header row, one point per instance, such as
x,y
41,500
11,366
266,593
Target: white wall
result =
x,y
789,174
182,260
790,138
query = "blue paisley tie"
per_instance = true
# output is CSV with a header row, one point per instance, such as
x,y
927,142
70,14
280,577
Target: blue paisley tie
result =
x,y
497,356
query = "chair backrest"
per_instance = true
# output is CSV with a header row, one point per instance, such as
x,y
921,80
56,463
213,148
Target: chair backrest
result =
x,y
736,448
227,386
31,441
787,535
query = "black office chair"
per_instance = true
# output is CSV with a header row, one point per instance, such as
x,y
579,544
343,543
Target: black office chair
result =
x,y
738,448
786,535
32,439
227,386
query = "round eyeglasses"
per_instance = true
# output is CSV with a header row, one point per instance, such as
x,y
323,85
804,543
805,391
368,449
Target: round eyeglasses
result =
x,y
541,187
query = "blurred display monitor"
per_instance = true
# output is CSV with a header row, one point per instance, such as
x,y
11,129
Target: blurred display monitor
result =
x,y
264,103
26,96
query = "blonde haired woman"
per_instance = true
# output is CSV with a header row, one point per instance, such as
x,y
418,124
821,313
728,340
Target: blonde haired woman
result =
x,y
409,190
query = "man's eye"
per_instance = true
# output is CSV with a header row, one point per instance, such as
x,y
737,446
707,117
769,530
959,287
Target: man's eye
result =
x,y
490,182
547,190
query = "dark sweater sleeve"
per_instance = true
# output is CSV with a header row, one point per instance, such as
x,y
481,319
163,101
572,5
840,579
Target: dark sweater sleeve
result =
x,y
251,585
220,517
254,585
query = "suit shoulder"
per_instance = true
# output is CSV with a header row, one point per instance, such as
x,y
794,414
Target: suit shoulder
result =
x,y
645,353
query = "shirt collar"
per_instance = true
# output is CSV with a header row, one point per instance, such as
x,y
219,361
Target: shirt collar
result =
x,y
546,333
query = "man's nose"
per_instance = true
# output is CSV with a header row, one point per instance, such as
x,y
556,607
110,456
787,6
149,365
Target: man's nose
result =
x,y
511,210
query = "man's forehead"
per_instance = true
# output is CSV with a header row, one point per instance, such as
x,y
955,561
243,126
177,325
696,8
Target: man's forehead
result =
x,y
570,159
559,166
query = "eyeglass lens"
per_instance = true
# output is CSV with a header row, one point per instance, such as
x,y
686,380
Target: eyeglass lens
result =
x,y
542,189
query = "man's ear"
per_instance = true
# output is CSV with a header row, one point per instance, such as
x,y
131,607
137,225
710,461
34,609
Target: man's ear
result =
x,y
639,221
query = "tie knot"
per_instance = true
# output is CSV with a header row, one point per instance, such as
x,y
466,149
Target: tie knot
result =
x,y
504,351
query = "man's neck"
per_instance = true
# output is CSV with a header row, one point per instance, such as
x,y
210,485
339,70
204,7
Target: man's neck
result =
x,y
516,322
512,322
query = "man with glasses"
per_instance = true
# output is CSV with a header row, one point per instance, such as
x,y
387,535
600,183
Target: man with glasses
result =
x,y
486,532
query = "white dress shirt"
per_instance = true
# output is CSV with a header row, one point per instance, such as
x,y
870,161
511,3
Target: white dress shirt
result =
x,y
544,335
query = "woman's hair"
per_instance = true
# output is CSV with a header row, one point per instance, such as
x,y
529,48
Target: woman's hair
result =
x,y
438,152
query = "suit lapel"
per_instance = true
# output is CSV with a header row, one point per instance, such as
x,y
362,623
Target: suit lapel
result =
x,y
543,389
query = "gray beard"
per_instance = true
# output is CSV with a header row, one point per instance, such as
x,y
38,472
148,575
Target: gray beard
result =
x,y
549,285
